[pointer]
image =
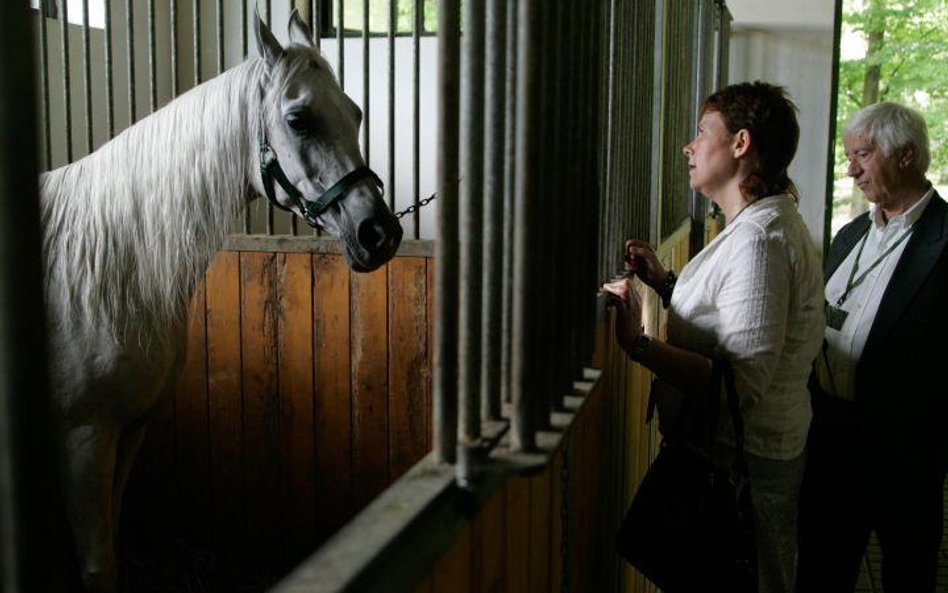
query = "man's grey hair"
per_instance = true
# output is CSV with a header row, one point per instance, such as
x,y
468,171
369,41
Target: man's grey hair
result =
x,y
893,127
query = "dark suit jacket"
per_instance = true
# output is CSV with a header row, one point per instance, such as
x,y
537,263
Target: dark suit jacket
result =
x,y
902,376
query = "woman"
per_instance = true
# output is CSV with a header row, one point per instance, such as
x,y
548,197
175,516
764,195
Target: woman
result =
x,y
753,297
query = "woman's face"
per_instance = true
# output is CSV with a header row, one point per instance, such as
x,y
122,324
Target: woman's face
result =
x,y
712,163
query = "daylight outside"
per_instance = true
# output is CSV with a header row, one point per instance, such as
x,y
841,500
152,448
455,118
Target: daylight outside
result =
x,y
892,50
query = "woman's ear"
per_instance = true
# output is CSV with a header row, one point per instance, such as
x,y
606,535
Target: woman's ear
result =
x,y
741,143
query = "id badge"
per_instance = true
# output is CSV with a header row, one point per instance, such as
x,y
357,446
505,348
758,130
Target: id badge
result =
x,y
835,317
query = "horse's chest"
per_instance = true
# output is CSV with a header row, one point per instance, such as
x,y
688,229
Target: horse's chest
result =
x,y
97,375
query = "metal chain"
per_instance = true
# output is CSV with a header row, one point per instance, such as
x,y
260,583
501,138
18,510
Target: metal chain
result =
x,y
564,517
420,205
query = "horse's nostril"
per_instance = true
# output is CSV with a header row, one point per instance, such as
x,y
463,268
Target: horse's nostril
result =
x,y
371,235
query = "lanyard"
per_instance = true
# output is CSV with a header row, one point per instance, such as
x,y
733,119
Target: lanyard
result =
x,y
850,284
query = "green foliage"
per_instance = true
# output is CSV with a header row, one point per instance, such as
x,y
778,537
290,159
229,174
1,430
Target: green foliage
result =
x,y
913,62
379,15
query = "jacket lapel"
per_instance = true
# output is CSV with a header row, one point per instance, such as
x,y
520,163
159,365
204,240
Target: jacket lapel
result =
x,y
844,243
920,256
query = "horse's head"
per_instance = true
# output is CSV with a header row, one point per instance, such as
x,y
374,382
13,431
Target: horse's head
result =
x,y
309,149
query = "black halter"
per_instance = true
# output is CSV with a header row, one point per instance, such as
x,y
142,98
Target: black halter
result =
x,y
270,169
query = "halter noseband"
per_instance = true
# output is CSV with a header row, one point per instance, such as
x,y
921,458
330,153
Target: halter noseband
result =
x,y
270,169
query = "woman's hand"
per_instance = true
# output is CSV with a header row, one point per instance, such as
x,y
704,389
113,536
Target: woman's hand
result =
x,y
640,258
621,295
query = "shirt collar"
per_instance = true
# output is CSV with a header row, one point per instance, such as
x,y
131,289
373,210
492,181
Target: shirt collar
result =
x,y
907,218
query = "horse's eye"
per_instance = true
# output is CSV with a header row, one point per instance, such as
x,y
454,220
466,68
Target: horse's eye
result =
x,y
298,123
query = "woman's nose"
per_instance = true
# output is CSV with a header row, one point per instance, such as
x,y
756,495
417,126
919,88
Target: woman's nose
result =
x,y
687,150
853,168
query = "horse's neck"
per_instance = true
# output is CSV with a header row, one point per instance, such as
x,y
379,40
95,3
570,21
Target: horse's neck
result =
x,y
150,208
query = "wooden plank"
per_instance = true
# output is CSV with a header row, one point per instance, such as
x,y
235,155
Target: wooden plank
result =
x,y
297,432
518,534
225,406
409,379
332,404
369,356
452,574
539,517
429,386
192,436
324,245
259,308
491,524
556,523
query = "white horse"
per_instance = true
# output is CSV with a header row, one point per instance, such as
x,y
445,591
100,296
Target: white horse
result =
x,y
130,229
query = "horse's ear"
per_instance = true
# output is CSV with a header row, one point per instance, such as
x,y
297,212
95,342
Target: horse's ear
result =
x,y
299,31
267,45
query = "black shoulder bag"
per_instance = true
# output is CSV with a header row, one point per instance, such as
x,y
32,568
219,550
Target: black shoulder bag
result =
x,y
690,526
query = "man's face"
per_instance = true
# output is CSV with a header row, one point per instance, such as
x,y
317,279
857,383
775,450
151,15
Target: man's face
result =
x,y
877,175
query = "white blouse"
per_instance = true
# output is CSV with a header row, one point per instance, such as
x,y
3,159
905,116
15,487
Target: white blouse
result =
x,y
754,296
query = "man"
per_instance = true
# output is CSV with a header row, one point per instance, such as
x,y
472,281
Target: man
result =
x,y
878,443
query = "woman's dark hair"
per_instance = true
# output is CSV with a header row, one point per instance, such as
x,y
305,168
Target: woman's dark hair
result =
x,y
766,111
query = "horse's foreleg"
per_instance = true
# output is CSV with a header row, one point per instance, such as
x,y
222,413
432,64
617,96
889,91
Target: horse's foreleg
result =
x,y
128,446
88,472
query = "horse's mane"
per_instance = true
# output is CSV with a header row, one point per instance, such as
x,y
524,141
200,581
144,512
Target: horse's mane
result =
x,y
128,231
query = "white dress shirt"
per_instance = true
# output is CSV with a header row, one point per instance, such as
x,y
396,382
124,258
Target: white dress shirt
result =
x,y
836,366
754,296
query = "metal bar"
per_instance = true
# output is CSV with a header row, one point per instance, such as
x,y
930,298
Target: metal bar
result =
x,y
109,83
243,56
196,40
445,383
152,63
392,25
316,22
340,39
67,85
28,489
130,56
417,24
471,241
366,111
510,175
87,74
173,9
44,85
219,32
494,149
270,209
525,381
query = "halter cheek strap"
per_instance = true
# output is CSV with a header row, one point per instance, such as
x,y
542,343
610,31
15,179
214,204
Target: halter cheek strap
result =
x,y
271,170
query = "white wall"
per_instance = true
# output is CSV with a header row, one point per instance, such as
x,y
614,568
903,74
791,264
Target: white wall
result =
x,y
800,59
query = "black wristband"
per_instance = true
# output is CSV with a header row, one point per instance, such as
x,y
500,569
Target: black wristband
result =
x,y
666,288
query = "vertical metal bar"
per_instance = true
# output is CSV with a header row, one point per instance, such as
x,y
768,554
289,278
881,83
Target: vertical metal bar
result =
x,y
152,62
87,74
472,226
270,210
510,176
28,489
525,378
44,84
316,21
657,80
294,226
243,56
196,39
446,248
392,25
417,24
173,9
366,111
130,56
67,85
495,95
219,33
109,83
340,46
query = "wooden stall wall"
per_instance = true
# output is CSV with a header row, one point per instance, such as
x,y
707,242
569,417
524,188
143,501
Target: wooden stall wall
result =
x,y
540,532
305,392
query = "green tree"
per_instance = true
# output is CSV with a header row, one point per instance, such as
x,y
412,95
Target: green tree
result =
x,y
378,15
906,61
